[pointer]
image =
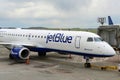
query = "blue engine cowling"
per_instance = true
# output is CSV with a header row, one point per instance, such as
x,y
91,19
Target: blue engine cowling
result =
x,y
20,53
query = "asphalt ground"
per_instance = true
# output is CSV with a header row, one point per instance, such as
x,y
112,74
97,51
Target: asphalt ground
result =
x,y
56,67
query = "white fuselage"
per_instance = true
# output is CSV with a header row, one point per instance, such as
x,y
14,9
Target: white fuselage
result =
x,y
74,42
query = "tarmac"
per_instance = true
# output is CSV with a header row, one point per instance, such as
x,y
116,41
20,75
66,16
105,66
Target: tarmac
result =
x,y
56,67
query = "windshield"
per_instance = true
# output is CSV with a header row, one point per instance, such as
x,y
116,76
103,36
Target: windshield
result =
x,y
97,39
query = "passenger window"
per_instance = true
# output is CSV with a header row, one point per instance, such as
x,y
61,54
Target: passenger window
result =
x,y
38,36
90,39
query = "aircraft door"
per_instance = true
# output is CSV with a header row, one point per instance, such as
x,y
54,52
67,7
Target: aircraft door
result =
x,y
77,42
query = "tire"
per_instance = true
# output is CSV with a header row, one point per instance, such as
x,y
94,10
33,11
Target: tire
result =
x,y
41,54
87,65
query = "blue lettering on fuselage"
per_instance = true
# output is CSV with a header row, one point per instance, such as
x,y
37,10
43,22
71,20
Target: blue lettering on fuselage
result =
x,y
58,37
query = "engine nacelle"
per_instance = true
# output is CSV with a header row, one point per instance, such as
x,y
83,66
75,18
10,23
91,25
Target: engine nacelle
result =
x,y
20,53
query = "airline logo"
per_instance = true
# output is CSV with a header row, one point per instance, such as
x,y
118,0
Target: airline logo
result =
x,y
59,37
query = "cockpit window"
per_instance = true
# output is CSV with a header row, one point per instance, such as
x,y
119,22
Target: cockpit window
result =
x,y
97,39
90,39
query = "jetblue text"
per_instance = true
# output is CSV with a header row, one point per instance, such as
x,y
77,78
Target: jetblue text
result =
x,y
58,37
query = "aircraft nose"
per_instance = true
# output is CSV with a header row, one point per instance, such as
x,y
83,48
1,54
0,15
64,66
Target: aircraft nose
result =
x,y
109,50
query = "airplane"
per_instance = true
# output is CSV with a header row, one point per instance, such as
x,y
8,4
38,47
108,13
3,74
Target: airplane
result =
x,y
110,22
21,41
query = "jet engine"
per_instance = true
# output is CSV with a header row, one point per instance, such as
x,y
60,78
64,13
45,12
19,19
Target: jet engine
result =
x,y
20,53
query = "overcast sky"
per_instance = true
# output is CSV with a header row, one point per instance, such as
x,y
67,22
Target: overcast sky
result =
x,y
57,13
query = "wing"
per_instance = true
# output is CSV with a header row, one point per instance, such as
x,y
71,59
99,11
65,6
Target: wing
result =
x,y
11,44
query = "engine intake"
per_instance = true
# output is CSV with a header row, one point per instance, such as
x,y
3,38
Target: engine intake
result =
x,y
20,53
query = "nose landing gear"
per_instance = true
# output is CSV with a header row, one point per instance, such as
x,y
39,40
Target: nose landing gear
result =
x,y
87,64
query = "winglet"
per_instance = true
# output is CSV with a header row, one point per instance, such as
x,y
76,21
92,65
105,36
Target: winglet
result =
x,y
110,22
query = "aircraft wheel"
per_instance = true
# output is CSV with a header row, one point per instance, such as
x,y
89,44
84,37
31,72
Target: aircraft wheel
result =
x,y
87,65
41,53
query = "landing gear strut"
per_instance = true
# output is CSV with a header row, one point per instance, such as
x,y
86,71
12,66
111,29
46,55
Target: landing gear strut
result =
x,y
10,56
87,64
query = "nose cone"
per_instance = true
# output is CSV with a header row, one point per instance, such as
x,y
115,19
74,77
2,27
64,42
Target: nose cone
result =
x,y
111,51
108,50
